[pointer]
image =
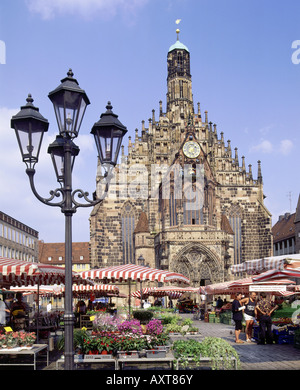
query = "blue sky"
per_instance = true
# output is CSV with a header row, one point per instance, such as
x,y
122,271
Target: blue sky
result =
x,y
242,74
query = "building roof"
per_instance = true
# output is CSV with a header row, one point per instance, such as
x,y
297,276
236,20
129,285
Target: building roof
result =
x,y
54,253
178,45
142,225
225,225
284,228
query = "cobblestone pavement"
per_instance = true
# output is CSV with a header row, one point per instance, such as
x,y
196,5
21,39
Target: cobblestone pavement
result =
x,y
253,356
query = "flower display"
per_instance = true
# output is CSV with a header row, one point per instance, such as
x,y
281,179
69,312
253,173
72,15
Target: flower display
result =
x,y
154,327
17,339
131,326
105,322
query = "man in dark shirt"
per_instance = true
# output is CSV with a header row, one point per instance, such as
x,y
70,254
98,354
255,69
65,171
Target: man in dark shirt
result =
x,y
237,316
265,308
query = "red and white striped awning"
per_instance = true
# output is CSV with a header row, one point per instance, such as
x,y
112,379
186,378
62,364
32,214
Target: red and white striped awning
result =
x,y
43,290
224,288
97,288
134,272
242,285
166,291
290,270
251,281
256,266
22,273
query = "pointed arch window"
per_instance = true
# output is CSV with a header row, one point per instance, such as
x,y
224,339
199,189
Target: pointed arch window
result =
x,y
235,220
128,224
192,206
173,210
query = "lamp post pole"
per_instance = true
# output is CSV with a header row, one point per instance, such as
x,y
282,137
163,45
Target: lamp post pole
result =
x,y
141,261
69,102
69,315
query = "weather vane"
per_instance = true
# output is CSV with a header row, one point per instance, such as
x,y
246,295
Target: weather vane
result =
x,y
177,21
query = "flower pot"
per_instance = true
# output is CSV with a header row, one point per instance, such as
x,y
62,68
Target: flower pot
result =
x,y
104,353
93,352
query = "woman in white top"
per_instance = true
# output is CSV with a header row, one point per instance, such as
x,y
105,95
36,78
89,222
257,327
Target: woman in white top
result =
x,y
249,314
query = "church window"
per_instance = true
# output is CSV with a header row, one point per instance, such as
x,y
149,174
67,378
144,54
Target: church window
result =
x,y
235,221
127,234
181,88
173,210
192,207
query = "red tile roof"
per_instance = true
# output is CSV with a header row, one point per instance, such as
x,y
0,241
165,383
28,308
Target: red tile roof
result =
x,y
56,251
284,228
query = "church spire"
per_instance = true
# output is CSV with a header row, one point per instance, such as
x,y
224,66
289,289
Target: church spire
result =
x,y
179,95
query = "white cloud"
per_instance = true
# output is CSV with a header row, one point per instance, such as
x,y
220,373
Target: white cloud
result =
x,y
264,146
286,146
85,8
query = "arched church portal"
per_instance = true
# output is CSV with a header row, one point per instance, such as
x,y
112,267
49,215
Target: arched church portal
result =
x,y
199,264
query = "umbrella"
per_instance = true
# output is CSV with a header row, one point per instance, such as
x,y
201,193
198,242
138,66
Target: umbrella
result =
x,y
130,272
265,264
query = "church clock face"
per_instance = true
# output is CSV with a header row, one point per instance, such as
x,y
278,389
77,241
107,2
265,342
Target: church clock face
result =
x,y
191,149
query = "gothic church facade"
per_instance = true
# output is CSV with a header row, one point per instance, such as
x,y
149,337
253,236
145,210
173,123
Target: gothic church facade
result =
x,y
181,197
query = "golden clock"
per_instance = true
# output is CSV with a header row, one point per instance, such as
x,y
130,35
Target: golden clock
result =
x,y
191,149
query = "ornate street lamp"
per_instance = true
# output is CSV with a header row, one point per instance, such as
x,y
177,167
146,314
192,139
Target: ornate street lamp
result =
x,y
30,127
69,102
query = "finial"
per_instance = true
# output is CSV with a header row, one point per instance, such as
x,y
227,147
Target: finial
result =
x,y
70,73
29,100
109,106
259,174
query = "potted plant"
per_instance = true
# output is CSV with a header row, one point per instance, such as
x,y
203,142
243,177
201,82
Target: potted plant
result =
x,y
186,351
91,346
221,354
129,345
105,344
11,340
79,335
30,338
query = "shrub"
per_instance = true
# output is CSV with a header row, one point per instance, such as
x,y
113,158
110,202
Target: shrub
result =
x,y
144,316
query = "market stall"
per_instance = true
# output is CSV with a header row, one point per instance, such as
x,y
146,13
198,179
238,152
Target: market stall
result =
x,y
172,292
130,272
22,273
244,285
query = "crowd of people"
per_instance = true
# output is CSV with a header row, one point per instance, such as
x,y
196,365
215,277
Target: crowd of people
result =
x,y
252,309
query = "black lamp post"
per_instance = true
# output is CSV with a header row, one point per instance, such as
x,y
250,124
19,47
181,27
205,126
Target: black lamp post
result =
x,y
141,261
69,102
